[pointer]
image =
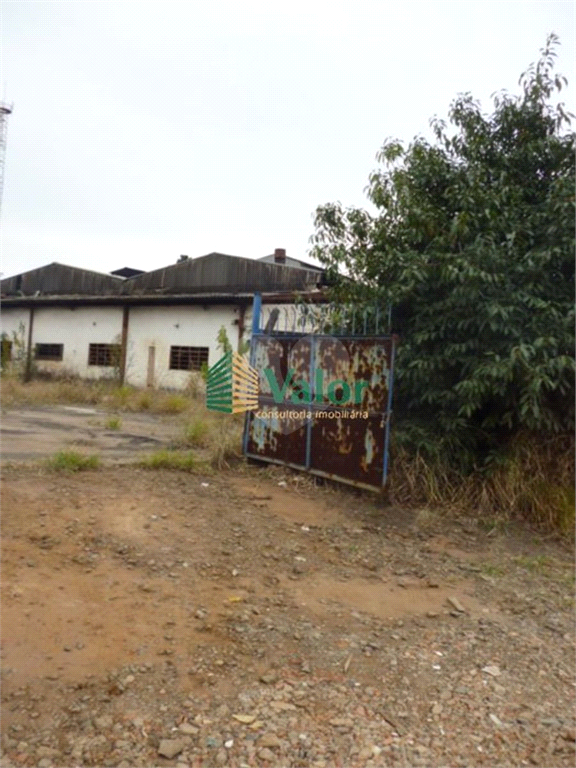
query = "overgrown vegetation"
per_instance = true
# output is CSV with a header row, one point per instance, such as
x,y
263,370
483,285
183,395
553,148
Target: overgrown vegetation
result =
x,y
169,459
217,438
226,440
196,433
225,345
72,461
473,247
104,393
534,481
175,404
13,352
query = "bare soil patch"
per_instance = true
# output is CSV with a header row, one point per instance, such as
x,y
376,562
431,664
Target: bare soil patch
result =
x,y
142,607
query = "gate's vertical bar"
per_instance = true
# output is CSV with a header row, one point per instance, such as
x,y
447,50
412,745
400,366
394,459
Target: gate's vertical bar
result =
x,y
389,410
256,312
310,421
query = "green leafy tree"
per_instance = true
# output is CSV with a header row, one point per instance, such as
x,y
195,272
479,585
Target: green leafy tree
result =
x,y
473,245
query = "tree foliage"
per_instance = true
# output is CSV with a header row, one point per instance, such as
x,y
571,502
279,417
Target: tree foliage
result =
x,y
473,244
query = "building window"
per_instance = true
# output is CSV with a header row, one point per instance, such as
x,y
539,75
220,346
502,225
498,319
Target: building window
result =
x,y
104,354
49,351
188,358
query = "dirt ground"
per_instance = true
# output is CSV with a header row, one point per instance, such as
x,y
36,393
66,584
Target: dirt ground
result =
x,y
252,617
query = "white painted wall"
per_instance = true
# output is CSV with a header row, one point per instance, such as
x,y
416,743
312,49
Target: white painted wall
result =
x,y
76,329
156,326
163,327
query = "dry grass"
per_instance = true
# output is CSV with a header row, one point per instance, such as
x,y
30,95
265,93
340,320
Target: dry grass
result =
x,y
217,436
16,393
106,394
225,443
535,483
144,401
426,519
196,434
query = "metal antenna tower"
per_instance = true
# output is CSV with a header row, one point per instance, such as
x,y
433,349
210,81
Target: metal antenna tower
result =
x,y
5,110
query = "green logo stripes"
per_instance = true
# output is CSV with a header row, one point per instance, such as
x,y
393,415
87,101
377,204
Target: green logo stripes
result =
x,y
232,385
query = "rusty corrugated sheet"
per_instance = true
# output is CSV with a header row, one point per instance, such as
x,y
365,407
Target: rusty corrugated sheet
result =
x,y
217,271
59,279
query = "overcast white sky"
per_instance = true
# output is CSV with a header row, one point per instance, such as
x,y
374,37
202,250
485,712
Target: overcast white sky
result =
x,y
145,130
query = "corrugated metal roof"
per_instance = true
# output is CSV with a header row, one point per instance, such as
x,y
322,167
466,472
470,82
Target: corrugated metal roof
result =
x,y
214,273
58,279
218,271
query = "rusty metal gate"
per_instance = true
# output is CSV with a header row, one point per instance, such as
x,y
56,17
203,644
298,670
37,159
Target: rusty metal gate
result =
x,y
324,401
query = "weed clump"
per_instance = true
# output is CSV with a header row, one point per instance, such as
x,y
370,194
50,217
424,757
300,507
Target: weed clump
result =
x,y
72,461
167,459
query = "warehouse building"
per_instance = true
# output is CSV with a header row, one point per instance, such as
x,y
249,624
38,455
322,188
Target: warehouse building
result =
x,y
144,328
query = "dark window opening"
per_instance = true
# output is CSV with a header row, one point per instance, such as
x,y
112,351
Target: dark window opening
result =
x,y
49,351
188,358
6,351
104,354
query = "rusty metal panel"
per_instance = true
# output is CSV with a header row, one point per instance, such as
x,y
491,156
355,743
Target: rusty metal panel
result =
x,y
349,450
324,403
276,439
279,353
353,446
267,441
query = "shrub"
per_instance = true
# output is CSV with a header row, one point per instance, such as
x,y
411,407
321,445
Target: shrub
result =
x,y
473,247
196,433
72,461
144,401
